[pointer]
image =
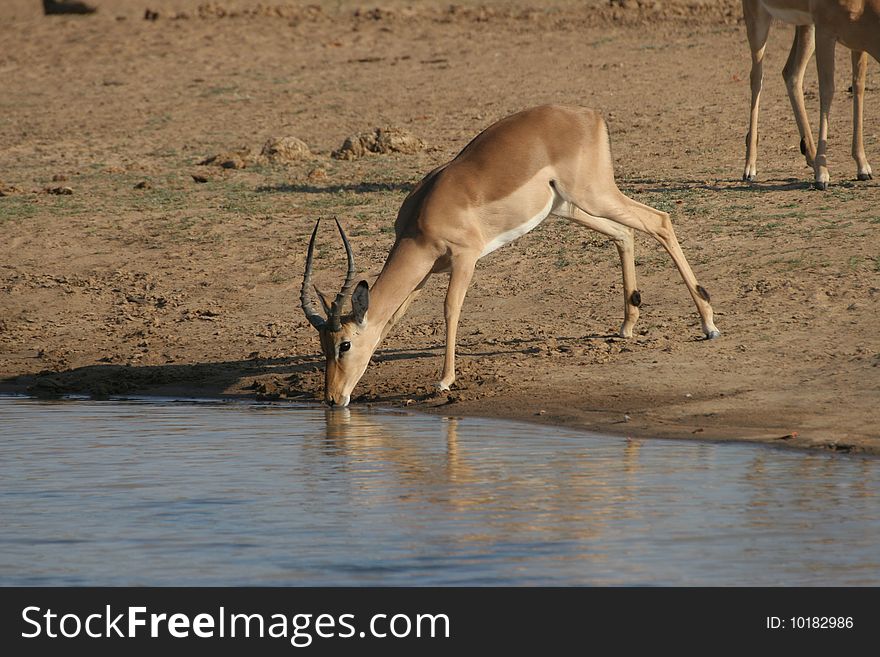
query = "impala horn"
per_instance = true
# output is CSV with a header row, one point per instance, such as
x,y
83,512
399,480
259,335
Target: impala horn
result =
x,y
334,318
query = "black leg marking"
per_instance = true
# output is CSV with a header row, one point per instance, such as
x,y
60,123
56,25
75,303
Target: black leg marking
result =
x,y
703,292
635,298
803,146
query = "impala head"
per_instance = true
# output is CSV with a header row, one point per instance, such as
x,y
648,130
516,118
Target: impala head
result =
x,y
346,346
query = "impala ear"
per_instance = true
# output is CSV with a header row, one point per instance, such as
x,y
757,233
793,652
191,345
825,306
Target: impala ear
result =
x,y
360,302
324,301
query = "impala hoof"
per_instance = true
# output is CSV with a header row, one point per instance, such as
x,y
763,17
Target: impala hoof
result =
x,y
821,185
865,176
750,177
442,387
711,335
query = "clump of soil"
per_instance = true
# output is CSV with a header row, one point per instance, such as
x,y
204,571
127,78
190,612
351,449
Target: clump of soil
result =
x,y
222,10
229,160
378,140
276,150
60,190
8,190
285,149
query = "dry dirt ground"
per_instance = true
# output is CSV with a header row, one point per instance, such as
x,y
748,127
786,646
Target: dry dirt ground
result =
x,y
120,273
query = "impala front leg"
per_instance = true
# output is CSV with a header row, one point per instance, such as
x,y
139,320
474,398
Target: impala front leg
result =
x,y
459,281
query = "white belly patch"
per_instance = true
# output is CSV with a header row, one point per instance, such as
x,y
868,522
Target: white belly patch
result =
x,y
519,231
791,16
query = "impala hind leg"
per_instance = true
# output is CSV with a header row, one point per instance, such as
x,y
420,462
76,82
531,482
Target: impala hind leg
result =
x,y
462,272
621,209
859,69
793,73
623,240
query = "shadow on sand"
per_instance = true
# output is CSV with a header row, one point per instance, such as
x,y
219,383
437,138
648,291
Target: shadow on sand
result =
x,y
294,378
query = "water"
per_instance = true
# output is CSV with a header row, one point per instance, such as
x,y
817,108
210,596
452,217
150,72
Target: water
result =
x,y
161,493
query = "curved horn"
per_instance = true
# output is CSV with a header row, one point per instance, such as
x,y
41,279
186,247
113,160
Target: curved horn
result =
x,y
336,314
308,307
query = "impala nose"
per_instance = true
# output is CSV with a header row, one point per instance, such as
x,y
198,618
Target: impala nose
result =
x,y
337,402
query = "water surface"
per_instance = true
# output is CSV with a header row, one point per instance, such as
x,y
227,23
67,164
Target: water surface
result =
x,y
150,492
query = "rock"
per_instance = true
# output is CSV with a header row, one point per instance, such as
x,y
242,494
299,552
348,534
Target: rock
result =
x,y
143,184
61,191
379,140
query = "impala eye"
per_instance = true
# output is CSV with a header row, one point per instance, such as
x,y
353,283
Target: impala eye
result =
x,y
344,346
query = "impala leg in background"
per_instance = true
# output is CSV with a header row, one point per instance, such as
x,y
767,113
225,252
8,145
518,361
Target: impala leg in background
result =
x,y
825,45
757,28
793,74
859,70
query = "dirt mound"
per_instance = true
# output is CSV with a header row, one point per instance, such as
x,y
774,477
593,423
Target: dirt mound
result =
x,y
285,149
379,140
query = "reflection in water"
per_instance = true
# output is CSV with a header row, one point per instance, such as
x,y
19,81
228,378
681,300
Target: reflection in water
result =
x,y
215,493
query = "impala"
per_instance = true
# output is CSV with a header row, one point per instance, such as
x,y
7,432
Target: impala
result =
x,y
545,160
854,23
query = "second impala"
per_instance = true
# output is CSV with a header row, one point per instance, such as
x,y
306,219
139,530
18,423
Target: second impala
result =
x,y
513,175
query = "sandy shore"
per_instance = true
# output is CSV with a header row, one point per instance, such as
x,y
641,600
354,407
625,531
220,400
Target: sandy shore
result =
x,y
121,274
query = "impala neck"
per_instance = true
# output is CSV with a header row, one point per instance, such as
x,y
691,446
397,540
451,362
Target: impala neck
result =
x,y
406,267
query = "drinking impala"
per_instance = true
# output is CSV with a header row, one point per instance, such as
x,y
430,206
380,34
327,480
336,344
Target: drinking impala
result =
x,y
513,175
